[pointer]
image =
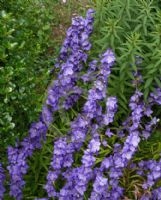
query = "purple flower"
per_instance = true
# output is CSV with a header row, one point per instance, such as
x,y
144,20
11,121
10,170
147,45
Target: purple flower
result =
x,y
111,108
73,54
94,145
88,159
148,127
17,157
155,97
104,143
100,188
146,196
77,180
77,37
156,193
108,132
52,176
71,99
109,57
91,74
154,173
106,163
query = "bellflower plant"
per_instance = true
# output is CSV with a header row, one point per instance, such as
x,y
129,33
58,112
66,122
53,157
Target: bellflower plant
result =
x,y
120,159
101,184
77,35
156,193
132,141
100,188
78,178
81,28
91,72
76,186
80,125
155,97
91,160
154,174
146,133
111,105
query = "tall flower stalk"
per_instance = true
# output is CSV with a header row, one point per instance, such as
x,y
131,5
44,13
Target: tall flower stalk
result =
x,y
81,125
67,78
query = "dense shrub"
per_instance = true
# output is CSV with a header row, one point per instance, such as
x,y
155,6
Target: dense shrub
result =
x,y
25,30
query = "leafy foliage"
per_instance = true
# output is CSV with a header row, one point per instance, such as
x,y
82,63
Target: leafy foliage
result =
x,y
132,29
25,29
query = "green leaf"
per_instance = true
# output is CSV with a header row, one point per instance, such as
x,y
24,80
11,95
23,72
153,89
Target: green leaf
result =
x,y
158,81
148,83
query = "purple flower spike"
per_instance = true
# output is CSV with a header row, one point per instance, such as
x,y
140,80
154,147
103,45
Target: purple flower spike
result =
x,y
156,97
111,108
100,188
77,134
73,54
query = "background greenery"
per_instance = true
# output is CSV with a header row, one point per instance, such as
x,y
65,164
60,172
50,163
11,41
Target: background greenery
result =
x,y
25,29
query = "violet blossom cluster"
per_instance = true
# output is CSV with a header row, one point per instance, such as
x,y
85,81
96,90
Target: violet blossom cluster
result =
x,y
78,178
156,194
116,163
122,157
155,97
101,183
100,187
67,78
77,36
146,133
120,160
80,126
90,74
17,157
111,108
152,170
133,139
